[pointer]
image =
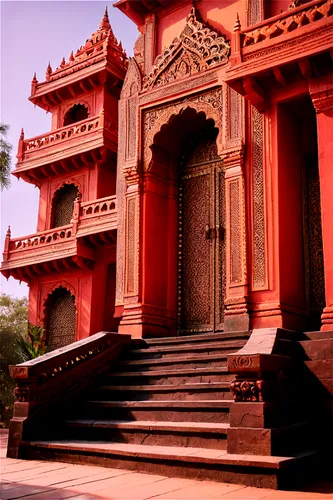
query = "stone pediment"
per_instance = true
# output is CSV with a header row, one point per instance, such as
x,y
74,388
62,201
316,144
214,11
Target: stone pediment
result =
x,y
197,48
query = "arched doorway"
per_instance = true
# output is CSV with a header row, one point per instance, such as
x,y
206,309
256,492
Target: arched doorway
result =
x,y
184,225
63,205
60,319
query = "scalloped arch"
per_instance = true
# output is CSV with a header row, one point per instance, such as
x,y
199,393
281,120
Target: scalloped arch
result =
x,y
49,292
210,104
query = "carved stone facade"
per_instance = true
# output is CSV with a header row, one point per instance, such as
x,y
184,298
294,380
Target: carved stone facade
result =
x,y
203,217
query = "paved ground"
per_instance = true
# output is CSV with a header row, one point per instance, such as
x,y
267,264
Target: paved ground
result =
x,y
30,480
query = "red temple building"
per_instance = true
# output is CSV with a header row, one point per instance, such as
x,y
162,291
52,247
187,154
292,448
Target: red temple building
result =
x,y
186,202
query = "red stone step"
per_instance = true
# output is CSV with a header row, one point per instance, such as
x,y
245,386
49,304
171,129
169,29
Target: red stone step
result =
x,y
168,411
176,362
199,463
195,339
198,434
184,375
186,391
202,348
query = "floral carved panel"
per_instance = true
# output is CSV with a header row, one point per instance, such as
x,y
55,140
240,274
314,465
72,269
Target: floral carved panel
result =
x,y
197,48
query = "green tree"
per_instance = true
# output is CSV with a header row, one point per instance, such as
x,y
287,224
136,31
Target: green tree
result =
x,y
5,159
13,326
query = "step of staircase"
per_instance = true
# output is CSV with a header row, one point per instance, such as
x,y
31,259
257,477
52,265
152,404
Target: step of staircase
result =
x,y
159,377
196,339
213,347
176,461
190,391
167,410
177,362
197,434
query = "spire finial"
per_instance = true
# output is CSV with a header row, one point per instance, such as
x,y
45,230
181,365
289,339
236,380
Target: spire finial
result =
x,y
48,72
63,62
34,80
105,23
8,234
71,57
22,134
237,26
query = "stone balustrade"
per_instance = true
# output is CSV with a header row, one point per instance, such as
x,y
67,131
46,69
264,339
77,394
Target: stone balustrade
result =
x,y
287,22
62,134
55,378
98,206
91,216
41,238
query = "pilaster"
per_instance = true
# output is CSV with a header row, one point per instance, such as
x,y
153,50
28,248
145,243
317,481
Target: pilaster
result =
x,y
236,311
321,91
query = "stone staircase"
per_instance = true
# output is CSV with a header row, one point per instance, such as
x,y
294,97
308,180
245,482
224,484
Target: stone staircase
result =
x,y
164,408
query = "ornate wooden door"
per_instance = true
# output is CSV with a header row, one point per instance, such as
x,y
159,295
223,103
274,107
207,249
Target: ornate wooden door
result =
x,y
201,245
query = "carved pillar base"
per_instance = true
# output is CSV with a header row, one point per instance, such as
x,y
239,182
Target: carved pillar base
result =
x,y
141,321
262,418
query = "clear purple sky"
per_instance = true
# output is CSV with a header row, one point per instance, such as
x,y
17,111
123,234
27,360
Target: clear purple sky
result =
x,y
32,34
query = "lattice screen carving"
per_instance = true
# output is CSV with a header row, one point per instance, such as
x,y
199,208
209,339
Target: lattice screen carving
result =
x,y
63,205
61,316
130,250
255,11
259,256
235,233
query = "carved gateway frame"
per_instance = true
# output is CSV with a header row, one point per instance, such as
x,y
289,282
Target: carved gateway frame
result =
x,y
146,318
142,315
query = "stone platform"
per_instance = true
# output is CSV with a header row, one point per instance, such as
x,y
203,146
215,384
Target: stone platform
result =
x,y
32,480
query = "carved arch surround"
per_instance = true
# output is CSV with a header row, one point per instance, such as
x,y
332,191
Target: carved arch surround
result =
x,y
209,102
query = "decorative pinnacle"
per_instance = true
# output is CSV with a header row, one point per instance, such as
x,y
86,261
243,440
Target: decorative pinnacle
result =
x,y
8,234
22,134
48,71
63,62
71,57
105,23
34,80
237,26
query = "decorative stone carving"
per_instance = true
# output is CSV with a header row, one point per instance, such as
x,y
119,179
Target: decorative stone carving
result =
x,y
247,390
139,48
209,103
197,48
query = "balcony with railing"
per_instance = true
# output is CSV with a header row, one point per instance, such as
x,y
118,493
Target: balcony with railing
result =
x,y
297,41
93,223
52,150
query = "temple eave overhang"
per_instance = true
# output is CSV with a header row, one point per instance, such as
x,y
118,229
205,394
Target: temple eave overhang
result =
x,y
137,10
297,45
74,84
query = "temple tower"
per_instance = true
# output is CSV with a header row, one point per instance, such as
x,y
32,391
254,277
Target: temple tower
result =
x,y
69,263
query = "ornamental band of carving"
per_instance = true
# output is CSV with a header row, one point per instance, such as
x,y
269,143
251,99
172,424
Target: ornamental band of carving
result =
x,y
197,48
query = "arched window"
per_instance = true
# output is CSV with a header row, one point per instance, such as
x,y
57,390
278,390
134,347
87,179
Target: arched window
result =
x,y
60,319
63,205
75,114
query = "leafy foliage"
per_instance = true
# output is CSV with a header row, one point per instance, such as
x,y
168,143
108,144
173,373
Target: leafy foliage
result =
x,y
13,325
32,345
5,158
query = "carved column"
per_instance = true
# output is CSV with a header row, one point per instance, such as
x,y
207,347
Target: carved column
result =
x,y
321,91
128,195
236,313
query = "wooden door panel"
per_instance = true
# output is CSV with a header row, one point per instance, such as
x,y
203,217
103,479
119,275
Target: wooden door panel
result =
x,y
197,278
220,246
